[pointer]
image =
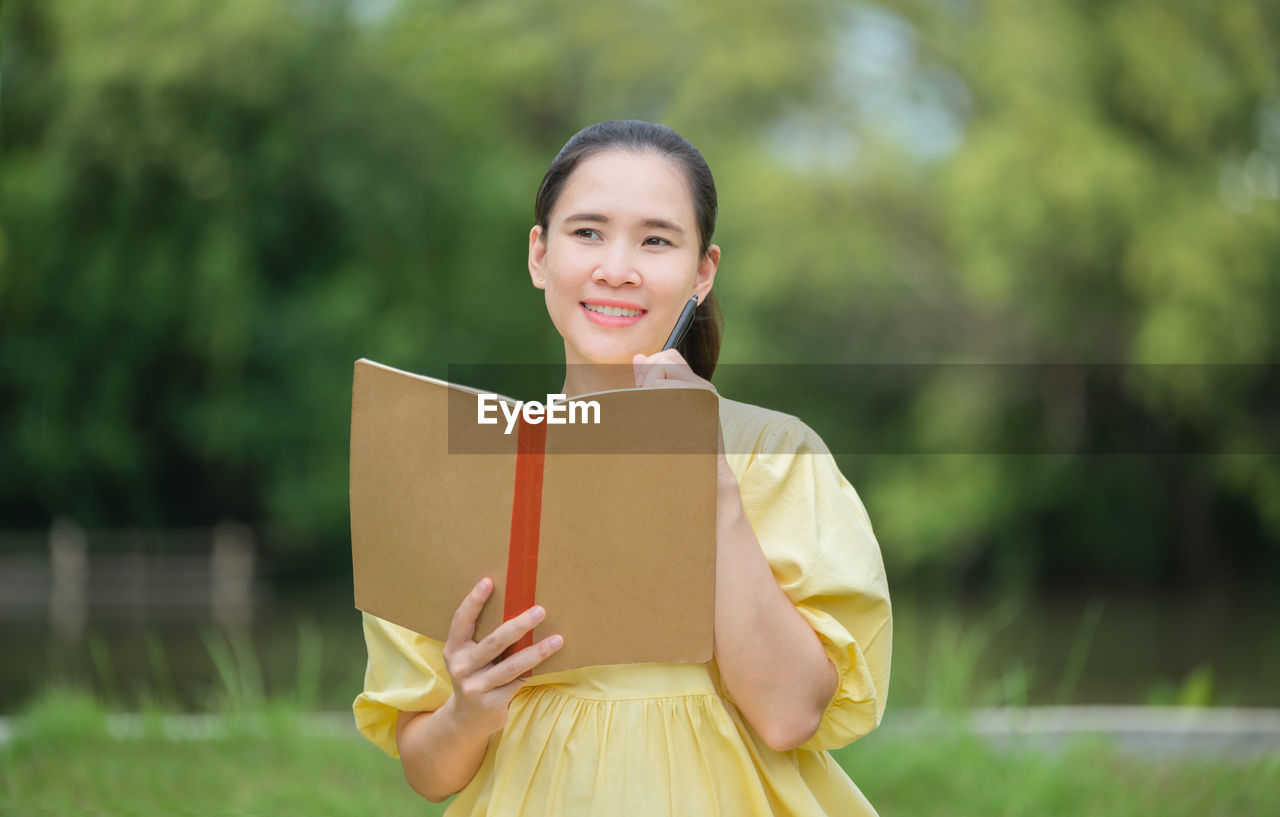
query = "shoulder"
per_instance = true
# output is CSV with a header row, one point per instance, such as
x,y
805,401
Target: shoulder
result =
x,y
774,454
751,432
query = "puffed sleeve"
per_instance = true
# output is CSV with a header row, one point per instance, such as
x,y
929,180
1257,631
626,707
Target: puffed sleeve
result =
x,y
815,533
406,673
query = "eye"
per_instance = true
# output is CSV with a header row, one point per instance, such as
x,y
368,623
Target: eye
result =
x,y
656,241
586,232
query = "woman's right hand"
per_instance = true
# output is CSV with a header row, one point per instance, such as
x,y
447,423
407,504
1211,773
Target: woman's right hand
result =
x,y
441,750
483,685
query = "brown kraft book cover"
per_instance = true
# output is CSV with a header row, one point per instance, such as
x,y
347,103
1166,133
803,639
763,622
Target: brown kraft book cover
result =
x,y
605,517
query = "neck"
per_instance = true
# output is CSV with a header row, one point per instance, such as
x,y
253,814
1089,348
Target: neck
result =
x,y
583,378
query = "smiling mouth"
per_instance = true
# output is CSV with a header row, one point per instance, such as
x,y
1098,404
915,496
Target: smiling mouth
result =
x,y
614,311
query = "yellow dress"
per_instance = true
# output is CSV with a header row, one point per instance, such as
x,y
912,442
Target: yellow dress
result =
x,y
666,739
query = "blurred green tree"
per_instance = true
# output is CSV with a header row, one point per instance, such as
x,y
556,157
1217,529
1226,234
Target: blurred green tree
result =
x,y
1115,198
210,210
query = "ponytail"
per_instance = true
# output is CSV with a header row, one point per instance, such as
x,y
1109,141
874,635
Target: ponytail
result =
x,y
701,345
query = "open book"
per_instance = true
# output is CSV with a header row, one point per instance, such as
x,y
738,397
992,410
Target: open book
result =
x,y
605,517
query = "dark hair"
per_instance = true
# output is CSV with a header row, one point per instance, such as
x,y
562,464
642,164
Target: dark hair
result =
x,y
701,344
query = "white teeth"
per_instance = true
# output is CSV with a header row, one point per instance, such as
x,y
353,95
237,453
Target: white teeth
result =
x,y
615,311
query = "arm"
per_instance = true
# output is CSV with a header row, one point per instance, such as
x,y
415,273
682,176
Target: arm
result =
x,y
438,753
770,659
441,750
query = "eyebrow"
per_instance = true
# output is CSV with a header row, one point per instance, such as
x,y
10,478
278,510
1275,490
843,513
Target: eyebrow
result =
x,y
656,223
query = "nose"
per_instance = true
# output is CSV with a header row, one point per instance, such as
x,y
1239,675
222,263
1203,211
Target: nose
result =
x,y
617,268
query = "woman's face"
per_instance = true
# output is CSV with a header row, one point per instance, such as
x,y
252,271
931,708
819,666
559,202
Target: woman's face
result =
x,y
620,256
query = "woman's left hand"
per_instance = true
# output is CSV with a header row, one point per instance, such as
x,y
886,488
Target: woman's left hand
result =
x,y
652,370
668,368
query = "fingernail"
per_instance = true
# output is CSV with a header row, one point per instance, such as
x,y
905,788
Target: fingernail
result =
x,y
538,613
556,642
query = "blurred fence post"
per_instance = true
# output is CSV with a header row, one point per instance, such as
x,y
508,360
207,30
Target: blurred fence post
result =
x,y
70,563
232,569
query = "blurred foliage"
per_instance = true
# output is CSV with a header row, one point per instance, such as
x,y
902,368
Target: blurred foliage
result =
x,y
210,209
1196,689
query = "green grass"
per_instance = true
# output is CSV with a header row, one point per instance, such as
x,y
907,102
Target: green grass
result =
x,y
957,775
62,761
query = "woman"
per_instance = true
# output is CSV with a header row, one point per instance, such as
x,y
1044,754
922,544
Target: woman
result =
x,y
622,240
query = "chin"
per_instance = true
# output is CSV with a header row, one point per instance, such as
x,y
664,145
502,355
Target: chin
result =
x,y
606,360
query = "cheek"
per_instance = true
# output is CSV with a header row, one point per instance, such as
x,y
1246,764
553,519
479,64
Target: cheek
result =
x,y
581,261
561,304
569,266
679,274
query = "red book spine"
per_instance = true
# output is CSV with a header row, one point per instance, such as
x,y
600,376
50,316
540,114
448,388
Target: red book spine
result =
x,y
526,520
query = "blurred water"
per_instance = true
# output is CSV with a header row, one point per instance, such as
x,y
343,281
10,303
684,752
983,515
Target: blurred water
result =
x,y
1118,647
303,642
1096,648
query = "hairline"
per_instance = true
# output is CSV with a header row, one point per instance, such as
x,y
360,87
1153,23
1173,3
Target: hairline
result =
x,y
683,172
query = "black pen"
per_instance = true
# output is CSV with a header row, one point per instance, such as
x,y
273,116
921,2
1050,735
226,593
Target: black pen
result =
x,y
682,324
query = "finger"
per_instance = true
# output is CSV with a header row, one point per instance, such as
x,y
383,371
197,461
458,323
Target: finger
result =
x,y
639,367
463,627
661,374
644,366
509,670
639,361
665,372
505,634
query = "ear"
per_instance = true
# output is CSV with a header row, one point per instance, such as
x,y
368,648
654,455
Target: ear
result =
x,y
707,272
537,252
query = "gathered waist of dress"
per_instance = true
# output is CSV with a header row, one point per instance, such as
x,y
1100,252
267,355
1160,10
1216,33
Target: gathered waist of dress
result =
x,y
616,682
